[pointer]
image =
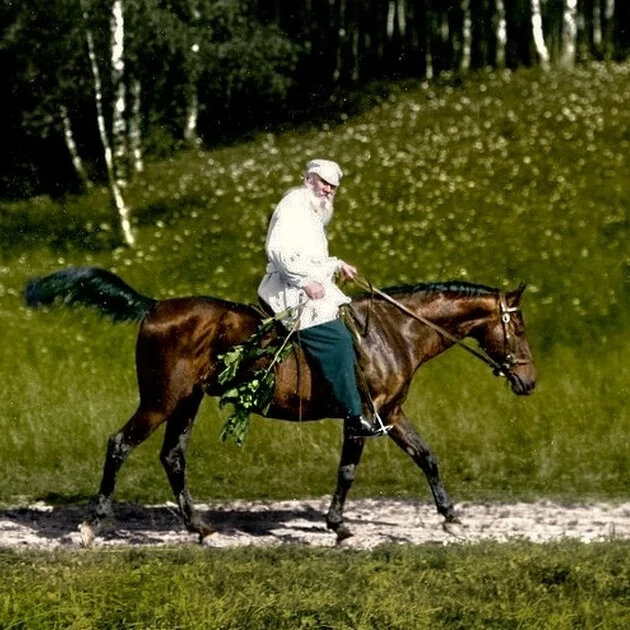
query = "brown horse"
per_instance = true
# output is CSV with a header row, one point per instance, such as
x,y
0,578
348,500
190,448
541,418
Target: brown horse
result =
x,y
180,340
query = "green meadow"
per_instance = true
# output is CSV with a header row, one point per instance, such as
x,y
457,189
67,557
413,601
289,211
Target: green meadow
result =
x,y
507,178
518,585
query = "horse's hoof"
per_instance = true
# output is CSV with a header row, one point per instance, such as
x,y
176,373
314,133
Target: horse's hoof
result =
x,y
205,537
204,532
87,533
343,533
455,528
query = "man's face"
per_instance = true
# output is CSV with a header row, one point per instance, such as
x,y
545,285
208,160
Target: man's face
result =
x,y
320,187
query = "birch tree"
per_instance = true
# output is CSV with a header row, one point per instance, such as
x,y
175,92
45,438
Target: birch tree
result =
x,y
500,33
428,54
191,34
609,28
118,201
135,127
539,35
145,61
464,65
119,107
597,23
569,33
71,145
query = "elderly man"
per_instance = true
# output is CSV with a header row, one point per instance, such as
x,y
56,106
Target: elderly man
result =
x,y
300,277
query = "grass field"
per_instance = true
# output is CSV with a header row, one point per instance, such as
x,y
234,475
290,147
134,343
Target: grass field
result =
x,y
511,177
514,176
519,585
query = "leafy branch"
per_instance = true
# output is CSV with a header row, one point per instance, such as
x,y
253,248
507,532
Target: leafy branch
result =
x,y
250,391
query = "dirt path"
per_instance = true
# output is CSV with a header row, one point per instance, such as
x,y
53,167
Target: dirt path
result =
x,y
373,521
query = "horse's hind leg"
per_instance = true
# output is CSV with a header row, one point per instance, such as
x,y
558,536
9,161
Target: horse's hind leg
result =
x,y
173,457
409,441
350,457
138,429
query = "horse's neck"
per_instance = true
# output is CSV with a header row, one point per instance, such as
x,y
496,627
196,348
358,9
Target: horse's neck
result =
x,y
457,315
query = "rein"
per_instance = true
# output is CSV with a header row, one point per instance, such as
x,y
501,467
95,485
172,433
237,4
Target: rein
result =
x,y
499,369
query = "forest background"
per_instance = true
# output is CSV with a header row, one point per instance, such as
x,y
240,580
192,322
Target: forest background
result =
x,y
82,79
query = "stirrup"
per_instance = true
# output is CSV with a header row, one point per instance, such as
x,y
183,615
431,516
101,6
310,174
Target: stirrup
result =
x,y
359,427
382,428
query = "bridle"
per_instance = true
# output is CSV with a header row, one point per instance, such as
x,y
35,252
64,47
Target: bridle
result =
x,y
509,351
505,314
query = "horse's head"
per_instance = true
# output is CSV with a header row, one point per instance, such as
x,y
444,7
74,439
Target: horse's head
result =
x,y
503,338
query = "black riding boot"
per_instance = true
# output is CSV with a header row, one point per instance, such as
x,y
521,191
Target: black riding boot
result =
x,y
360,427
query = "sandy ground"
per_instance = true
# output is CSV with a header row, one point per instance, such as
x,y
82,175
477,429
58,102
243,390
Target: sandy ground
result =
x,y
373,521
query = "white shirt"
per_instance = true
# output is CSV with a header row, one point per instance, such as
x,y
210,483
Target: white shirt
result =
x,y
297,251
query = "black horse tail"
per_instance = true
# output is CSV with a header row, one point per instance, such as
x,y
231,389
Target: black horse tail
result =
x,y
89,286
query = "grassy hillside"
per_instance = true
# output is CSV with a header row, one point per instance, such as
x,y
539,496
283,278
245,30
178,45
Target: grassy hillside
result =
x,y
511,177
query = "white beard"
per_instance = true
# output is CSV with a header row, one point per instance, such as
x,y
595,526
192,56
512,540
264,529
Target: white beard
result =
x,y
325,210
324,207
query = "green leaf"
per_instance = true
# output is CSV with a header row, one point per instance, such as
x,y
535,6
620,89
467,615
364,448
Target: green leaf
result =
x,y
245,389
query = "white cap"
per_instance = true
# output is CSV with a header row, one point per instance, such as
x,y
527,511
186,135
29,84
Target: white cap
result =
x,y
328,170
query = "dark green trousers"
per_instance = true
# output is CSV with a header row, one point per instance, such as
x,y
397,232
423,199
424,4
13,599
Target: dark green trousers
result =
x,y
330,346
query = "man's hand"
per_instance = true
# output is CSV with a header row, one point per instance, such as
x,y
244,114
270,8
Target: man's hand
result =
x,y
347,271
314,290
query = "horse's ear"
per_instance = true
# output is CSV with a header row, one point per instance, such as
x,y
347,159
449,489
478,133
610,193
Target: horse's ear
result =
x,y
514,297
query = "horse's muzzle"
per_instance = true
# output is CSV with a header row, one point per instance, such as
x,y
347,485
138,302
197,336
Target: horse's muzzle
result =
x,y
522,379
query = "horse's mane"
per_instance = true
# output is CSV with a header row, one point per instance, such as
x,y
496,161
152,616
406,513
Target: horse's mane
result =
x,y
457,288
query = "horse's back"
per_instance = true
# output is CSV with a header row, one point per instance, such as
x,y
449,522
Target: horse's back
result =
x,y
180,339
200,316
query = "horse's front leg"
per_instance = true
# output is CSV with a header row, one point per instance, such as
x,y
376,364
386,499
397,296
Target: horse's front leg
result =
x,y
350,457
409,441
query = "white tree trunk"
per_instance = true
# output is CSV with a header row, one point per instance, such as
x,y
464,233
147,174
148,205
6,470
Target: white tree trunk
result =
x,y
428,59
402,17
119,124
192,96
501,34
467,37
597,23
445,29
135,133
539,36
391,15
609,14
71,145
119,202
192,115
569,33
